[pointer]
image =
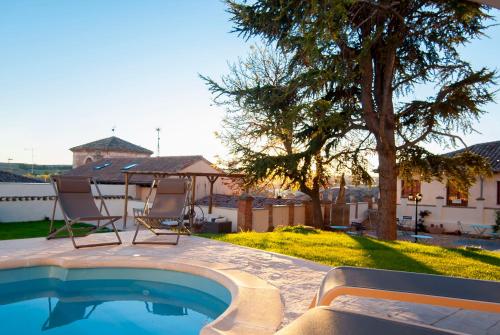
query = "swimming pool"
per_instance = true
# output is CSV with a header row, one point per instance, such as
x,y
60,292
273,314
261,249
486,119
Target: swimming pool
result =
x,y
53,300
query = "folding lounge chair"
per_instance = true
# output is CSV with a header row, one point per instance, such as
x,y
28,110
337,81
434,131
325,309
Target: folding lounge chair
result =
x,y
331,321
167,211
74,195
66,312
480,295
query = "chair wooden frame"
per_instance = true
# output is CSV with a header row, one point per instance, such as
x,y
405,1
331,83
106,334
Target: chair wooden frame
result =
x,y
153,224
70,221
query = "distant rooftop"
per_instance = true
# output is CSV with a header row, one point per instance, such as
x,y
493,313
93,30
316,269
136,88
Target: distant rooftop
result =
x,y
231,201
112,143
489,150
9,177
110,170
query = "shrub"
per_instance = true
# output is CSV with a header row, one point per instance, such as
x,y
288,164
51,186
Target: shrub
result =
x,y
496,226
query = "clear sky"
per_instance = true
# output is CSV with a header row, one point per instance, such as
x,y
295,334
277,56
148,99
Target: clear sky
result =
x,y
71,70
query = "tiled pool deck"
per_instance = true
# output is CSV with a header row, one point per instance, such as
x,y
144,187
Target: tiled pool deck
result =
x,y
296,279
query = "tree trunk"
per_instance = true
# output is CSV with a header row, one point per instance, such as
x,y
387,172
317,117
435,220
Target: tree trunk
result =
x,y
316,209
388,194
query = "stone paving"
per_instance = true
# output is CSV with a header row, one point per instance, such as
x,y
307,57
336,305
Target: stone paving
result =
x,y
296,279
453,241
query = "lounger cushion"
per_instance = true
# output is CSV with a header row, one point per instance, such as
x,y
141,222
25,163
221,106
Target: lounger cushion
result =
x,y
332,321
418,283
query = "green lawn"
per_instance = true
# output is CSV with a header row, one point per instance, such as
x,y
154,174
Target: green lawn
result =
x,y
336,249
15,230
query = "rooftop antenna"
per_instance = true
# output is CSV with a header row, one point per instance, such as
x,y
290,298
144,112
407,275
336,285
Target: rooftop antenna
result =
x,y
32,159
158,139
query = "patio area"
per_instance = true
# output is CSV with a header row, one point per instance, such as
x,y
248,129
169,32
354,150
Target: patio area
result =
x,y
457,241
296,279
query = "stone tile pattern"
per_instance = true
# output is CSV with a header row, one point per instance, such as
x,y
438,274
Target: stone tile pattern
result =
x,y
297,279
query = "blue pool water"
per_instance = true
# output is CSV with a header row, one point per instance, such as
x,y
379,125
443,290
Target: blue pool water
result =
x,y
52,300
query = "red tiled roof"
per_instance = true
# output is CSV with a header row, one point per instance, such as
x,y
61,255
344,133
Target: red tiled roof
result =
x,y
231,201
112,143
110,170
489,150
9,177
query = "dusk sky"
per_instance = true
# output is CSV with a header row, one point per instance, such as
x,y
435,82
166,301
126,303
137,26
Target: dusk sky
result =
x,y
71,70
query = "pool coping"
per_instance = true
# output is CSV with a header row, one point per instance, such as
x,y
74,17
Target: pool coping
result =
x,y
255,309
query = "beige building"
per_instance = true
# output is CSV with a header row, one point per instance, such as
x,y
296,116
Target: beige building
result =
x,y
447,205
111,147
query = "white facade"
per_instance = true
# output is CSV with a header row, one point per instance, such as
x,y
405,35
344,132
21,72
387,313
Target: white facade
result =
x,y
482,204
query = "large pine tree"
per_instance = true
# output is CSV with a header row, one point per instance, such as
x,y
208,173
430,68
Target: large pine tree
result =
x,y
379,53
276,132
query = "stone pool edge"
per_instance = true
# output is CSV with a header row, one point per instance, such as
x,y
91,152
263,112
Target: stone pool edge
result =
x,y
256,307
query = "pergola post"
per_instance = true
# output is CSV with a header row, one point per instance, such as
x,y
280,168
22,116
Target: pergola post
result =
x,y
212,180
125,211
193,197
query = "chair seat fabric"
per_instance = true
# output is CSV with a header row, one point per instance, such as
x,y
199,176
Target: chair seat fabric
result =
x,y
77,205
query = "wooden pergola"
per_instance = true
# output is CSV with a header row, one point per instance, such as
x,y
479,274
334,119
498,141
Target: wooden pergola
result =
x,y
211,176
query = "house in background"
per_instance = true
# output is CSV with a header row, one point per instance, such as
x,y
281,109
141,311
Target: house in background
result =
x,y
110,171
447,205
111,147
9,177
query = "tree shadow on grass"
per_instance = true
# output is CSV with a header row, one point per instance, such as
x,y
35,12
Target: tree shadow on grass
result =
x,y
297,230
382,256
477,256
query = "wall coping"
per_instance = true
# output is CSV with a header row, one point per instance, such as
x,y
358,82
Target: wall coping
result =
x,y
462,207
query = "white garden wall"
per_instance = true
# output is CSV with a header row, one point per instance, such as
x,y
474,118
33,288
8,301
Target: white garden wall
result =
x,y
46,189
33,202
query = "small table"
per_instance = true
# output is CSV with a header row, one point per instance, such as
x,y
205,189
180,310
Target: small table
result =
x,y
222,227
480,229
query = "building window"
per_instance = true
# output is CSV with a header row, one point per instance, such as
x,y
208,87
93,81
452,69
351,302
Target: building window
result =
x,y
409,187
498,192
88,160
456,198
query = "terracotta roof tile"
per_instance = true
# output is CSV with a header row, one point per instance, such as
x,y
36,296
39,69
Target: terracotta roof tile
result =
x,y
231,201
8,177
110,170
112,143
489,150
